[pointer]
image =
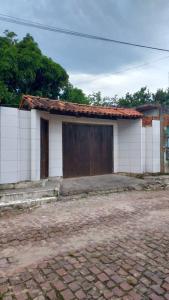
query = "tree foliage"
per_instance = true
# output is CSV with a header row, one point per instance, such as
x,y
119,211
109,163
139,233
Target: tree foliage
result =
x,y
161,96
96,99
25,70
5,96
73,94
143,96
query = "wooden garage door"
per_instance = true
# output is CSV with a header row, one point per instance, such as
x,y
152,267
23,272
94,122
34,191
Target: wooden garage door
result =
x,y
87,150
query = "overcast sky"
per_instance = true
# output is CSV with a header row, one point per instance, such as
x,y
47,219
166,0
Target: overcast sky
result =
x,y
95,65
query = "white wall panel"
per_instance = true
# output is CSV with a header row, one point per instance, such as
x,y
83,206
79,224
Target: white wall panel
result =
x,y
152,147
130,146
14,145
55,147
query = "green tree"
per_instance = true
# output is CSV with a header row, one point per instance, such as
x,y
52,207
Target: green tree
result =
x,y
110,101
143,96
5,96
73,94
95,99
161,97
25,70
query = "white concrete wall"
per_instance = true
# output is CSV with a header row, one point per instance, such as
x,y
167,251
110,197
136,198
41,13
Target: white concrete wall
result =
x,y
14,145
136,149
156,145
115,148
143,160
55,147
35,145
55,144
152,147
20,143
24,145
130,146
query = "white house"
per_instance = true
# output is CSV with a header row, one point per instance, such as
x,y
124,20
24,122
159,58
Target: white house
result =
x,y
49,138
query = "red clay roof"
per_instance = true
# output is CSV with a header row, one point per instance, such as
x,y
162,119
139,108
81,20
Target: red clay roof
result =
x,y
62,107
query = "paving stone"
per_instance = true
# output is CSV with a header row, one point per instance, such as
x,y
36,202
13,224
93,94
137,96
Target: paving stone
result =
x,y
102,277
61,272
51,295
157,289
117,279
21,296
67,294
80,294
108,294
110,284
99,285
125,286
74,286
145,281
132,280
68,278
117,292
115,252
86,285
45,286
90,278
58,285
95,270
134,295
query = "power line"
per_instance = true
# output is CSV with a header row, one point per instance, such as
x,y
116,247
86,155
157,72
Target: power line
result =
x,y
65,31
141,65
25,22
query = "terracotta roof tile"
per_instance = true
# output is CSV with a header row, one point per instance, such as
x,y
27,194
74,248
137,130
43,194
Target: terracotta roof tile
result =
x,y
57,106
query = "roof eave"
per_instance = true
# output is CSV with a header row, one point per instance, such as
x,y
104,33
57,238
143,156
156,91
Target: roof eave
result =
x,y
27,103
93,115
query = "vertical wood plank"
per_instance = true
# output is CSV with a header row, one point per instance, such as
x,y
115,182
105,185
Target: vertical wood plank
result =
x,y
87,149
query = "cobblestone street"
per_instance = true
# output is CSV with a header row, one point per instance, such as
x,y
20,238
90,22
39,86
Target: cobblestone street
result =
x,y
112,246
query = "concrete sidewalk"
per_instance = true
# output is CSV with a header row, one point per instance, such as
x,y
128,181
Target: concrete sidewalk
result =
x,y
53,189
100,183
